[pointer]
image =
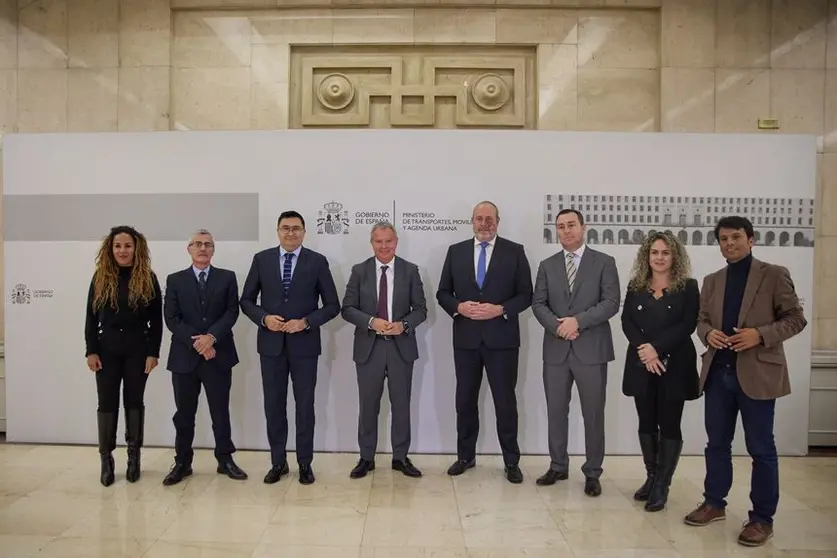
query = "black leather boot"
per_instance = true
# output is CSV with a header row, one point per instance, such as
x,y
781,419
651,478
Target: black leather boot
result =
x,y
648,444
668,457
107,443
134,428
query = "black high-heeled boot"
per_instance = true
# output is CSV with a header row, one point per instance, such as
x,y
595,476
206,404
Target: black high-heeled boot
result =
x,y
669,455
134,430
107,443
648,445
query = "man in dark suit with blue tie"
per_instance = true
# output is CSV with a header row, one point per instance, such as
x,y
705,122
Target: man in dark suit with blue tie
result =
x,y
201,308
486,284
291,280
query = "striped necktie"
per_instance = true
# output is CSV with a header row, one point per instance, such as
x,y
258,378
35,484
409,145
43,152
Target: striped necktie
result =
x,y
571,270
286,271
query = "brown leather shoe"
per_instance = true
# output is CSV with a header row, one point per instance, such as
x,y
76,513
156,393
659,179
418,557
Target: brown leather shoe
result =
x,y
755,534
704,514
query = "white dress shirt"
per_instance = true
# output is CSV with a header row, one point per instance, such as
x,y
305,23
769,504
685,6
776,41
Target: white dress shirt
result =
x,y
577,255
489,250
390,282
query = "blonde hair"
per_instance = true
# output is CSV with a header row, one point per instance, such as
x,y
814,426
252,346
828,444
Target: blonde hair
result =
x,y
679,273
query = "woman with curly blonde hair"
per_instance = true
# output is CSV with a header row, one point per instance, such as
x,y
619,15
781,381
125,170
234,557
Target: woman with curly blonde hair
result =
x,y
659,315
123,333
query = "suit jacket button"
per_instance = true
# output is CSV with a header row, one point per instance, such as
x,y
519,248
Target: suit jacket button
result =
x,y
204,319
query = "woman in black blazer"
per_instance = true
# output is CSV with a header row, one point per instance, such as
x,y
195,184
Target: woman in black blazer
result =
x,y
659,315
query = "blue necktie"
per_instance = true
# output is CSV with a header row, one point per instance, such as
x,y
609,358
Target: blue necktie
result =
x,y
202,280
286,271
481,265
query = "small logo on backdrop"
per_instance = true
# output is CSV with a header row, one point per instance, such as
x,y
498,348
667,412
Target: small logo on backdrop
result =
x,y
333,219
21,294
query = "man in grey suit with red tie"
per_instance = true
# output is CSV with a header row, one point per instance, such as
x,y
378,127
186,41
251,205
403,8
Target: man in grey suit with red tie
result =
x,y
576,293
385,301
486,284
291,280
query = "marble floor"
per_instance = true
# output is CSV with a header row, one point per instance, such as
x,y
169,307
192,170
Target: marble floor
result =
x,y
51,505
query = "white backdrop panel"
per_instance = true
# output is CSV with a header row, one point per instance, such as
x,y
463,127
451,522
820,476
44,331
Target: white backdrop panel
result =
x,y
51,395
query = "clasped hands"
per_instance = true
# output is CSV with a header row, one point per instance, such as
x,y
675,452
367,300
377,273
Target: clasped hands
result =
x,y
278,323
649,357
567,329
204,345
387,328
479,310
743,339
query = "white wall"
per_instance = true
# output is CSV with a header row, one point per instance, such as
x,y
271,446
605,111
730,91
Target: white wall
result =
x,y
51,395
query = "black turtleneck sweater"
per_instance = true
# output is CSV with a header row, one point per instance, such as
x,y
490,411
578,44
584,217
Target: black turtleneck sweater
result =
x,y
140,328
737,274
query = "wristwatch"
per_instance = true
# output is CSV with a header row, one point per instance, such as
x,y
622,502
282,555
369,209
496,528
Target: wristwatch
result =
x,y
406,325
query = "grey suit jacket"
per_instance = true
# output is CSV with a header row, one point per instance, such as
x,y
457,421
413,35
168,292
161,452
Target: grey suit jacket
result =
x,y
360,304
594,301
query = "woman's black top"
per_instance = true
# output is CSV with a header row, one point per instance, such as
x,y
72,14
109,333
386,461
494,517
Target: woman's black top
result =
x,y
667,324
126,329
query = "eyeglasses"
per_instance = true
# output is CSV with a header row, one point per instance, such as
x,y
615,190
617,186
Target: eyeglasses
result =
x,y
198,244
295,230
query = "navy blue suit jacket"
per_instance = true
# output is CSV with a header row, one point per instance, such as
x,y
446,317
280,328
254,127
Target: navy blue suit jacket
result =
x,y
311,282
185,316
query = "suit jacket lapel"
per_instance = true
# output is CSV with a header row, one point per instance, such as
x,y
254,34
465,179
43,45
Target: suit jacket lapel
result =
x,y
370,281
401,288
717,311
754,279
301,262
192,281
468,257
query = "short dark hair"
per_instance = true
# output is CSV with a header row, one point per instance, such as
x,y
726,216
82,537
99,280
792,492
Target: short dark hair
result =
x,y
290,215
569,210
735,222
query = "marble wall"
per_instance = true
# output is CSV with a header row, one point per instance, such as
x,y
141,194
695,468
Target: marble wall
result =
x,y
709,66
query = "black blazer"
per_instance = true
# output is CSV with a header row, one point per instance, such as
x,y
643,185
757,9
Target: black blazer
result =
x,y
311,282
668,325
508,282
186,316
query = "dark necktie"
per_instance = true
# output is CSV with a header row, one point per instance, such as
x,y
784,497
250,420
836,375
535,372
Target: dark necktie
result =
x,y
202,280
286,271
383,309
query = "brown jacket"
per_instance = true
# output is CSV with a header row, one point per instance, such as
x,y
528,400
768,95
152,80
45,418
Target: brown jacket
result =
x,y
771,306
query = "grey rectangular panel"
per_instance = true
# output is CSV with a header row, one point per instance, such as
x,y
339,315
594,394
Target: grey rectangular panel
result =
x,y
160,217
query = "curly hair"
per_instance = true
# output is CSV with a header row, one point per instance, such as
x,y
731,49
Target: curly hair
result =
x,y
680,266
106,276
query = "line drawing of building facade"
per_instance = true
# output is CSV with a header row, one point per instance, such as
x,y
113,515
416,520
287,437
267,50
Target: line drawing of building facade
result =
x,y
628,219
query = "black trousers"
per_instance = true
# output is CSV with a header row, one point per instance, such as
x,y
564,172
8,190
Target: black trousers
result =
x,y
501,368
187,390
302,371
121,369
657,412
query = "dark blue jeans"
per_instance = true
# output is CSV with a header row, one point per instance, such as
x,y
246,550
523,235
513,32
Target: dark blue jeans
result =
x,y
724,400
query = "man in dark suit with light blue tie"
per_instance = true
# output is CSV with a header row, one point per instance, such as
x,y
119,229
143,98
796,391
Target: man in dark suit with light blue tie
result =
x,y
291,280
201,308
486,284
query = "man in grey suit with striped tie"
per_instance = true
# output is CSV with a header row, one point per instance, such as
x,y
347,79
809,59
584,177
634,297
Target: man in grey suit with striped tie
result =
x,y
576,293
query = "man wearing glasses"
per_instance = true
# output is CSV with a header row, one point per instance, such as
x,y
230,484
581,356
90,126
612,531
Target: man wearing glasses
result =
x,y
292,280
201,308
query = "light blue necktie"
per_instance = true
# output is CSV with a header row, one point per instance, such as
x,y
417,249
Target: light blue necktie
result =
x,y
481,265
286,271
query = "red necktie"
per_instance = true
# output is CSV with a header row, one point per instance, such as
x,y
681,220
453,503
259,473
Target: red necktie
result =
x,y
383,310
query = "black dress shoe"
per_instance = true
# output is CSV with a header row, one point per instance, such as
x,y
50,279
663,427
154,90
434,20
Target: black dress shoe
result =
x,y
276,473
232,470
363,466
551,477
406,466
306,474
460,466
513,474
178,473
592,487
